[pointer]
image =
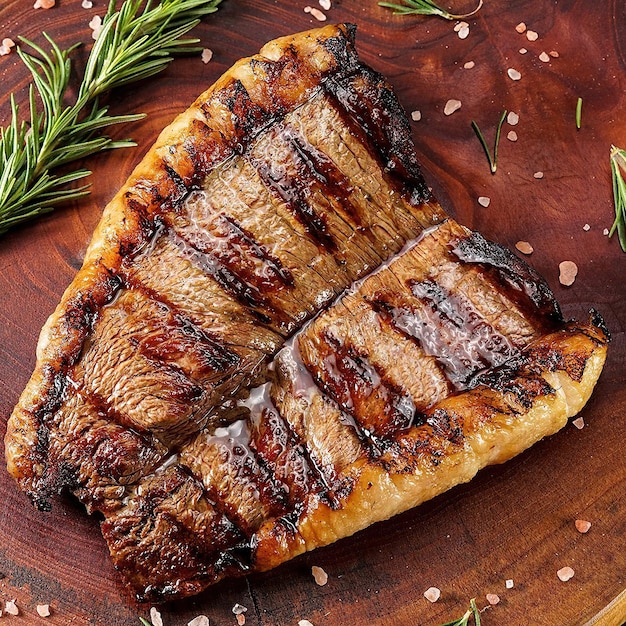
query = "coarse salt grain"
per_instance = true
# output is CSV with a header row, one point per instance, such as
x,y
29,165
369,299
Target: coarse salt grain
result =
x,y
512,118
318,15
586,227
513,74
493,598
155,617
325,4
521,28
432,594
567,272
307,9
463,32
524,247
511,135
565,574
321,577
44,4
201,620
523,51
11,608
605,231
484,201
508,583
554,53
582,526
469,65
207,55
304,622
538,175
241,619
87,4
544,57
43,610
416,116
6,46
459,25
531,35
579,422
238,609
451,106
96,26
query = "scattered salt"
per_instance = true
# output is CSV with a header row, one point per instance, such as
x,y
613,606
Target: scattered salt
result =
x,y
582,526
464,32
565,573
451,106
521,28
586,227
544,57
43,4
432,594
43,610
325,4
6,46
605,231
96,26
579,422
201,620
238,609
241,619
318,15
304,622
307,9
511,135
484,201
155,617
87,4
469,65
538,175
513,74
207,55
512,118
321,577
523,51
11,608
554,53
493,598
567,272
524,247
508,583
531,35
459,25
416,116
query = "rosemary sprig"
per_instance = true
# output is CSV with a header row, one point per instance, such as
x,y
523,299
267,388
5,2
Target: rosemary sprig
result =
x,y
618,168
144,622
493,160
135,42
579,112
426,7
464,619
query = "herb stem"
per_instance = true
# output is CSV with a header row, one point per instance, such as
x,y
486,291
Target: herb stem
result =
x,y
579,111
493,160
426,7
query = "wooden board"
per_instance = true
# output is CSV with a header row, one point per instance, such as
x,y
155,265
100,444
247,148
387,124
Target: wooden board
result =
x,y
514,521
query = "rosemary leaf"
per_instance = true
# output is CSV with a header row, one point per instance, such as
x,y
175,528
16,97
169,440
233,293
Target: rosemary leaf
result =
x,y
579,111
426,7
493,160
618,168
136,41
144,622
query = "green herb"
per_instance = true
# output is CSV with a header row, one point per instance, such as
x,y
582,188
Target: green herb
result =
x,y
618,168
144,622
493,160
579,111
134,43
426,7
464,619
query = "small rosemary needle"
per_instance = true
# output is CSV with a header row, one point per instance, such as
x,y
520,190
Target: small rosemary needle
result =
x,y
579,111
426,7
493,160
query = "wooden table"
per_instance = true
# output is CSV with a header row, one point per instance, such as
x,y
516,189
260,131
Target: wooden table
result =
x,y
512,522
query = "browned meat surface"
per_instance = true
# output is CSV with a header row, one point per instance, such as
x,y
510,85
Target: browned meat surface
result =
x,y
278,337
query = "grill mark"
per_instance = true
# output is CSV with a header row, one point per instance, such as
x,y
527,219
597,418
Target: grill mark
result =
x,y
363,391
447,327
295,194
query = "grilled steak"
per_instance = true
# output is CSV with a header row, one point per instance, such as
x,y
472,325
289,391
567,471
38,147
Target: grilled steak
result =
x,y
278,337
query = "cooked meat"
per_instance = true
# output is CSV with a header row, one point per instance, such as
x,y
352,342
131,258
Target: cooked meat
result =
x,y
278,337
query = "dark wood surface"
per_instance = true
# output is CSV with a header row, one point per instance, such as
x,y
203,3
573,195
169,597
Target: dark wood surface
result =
x,y
513,521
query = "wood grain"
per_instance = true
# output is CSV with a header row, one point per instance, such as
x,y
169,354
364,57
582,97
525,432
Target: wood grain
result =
x,y
514,521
